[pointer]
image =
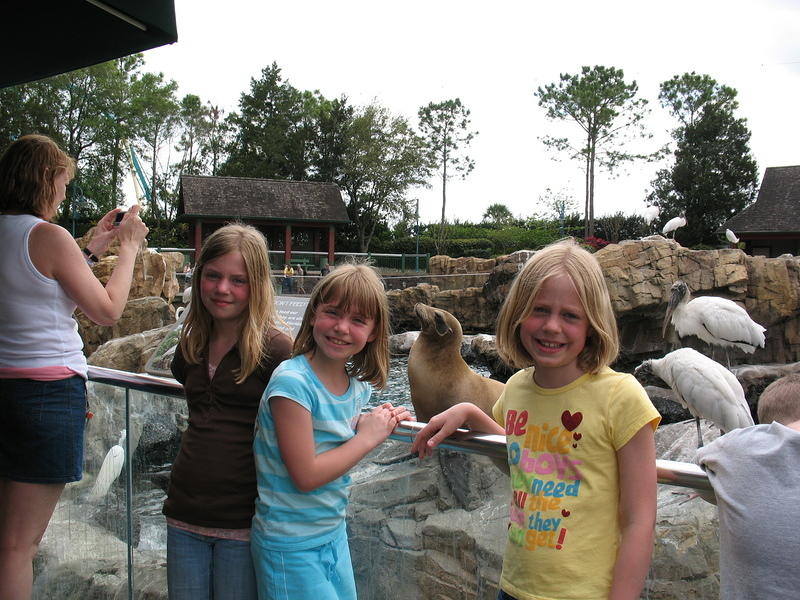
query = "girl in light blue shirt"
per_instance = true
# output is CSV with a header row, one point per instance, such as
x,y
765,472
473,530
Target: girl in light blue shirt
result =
x,y
310,432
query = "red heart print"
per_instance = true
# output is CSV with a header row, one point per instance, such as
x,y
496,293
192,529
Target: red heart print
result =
x,y
571,421
574,445
565,513
577,436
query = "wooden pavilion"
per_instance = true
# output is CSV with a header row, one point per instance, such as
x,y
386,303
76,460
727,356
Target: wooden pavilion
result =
x,y
300,215
771,226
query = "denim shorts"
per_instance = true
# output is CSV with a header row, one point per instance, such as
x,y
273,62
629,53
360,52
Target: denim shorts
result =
x,y
41,429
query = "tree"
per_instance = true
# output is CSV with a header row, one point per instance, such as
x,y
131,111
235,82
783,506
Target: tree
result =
x,y
273,132
714,175
607,110
445,127
157,115
383,158
331,139
498,214
218,136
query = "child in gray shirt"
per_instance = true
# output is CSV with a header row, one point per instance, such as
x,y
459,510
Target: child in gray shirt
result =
x,y
755,473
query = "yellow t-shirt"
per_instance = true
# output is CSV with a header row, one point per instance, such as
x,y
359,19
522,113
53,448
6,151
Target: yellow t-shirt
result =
x,y
564,530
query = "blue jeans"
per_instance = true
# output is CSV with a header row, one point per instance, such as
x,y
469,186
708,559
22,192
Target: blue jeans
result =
x,y
200,567
501,595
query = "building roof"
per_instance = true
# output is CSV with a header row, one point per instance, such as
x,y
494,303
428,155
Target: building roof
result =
x,y
777,208
260,199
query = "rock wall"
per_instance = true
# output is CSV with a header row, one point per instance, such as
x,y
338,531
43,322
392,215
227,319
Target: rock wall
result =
x,y
639,274
140,314
436,529
153,289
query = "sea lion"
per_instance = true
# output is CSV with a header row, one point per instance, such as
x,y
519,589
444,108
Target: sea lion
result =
x,y
438,376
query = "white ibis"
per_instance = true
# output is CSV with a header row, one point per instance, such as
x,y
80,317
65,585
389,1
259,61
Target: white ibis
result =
x,y
716,321
650,214
673,224
702,386
731,237
110,469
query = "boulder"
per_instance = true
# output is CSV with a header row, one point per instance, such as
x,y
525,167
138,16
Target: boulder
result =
x,y
402,302
130,352
141,314
458,273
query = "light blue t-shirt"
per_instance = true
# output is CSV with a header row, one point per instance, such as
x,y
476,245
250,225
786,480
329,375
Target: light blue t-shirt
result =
x,y
285,517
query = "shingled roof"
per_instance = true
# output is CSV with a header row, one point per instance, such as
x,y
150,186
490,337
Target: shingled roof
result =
x,y
260,199
777,208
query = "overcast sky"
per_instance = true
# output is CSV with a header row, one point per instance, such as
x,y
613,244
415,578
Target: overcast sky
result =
x,y
494,56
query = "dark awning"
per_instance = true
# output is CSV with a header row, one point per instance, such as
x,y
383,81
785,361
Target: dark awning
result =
x,y
43,38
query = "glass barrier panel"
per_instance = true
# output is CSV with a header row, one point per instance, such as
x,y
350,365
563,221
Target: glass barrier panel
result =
x,y
417,529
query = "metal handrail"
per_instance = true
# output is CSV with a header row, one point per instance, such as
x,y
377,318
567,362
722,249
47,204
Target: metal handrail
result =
x,y
669,472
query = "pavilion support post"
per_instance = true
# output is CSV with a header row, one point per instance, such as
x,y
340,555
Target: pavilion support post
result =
x,y
198,239
331,244
287,244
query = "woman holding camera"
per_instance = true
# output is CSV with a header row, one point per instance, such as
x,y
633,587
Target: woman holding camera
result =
x,y
44,276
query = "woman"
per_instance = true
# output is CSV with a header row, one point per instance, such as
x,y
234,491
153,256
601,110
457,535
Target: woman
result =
x,y
44,275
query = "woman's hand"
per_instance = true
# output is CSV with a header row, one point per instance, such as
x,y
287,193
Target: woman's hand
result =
x,y
104,233
132,229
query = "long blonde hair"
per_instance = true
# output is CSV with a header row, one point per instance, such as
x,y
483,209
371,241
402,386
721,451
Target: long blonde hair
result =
x,y
261,314
356,286
565,257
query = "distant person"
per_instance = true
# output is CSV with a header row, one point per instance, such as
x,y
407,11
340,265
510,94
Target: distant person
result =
x,y
580,437
300,279
288,273
228,350
44,275
755,473
311,431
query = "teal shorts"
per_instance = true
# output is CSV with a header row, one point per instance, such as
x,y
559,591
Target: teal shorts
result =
x,y
321,573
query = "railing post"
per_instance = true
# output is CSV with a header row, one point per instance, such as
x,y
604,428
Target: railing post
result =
x,y
129,489
403,262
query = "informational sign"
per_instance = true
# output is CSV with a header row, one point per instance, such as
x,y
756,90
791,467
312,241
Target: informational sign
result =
x,y
291,309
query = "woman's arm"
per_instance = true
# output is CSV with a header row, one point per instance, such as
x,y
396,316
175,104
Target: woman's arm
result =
x,y
637,495
445,423
295,434
56,255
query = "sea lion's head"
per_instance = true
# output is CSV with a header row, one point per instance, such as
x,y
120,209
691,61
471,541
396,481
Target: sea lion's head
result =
x,y
436,322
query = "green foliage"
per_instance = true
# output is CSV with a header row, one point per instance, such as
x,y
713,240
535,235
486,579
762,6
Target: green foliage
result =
x,y
606,109
445,127
274,129
383,158
498,214
617,227
714,175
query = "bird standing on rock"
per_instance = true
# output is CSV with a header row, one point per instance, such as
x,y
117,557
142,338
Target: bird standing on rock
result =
x,y
703,386
716,321
673,224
